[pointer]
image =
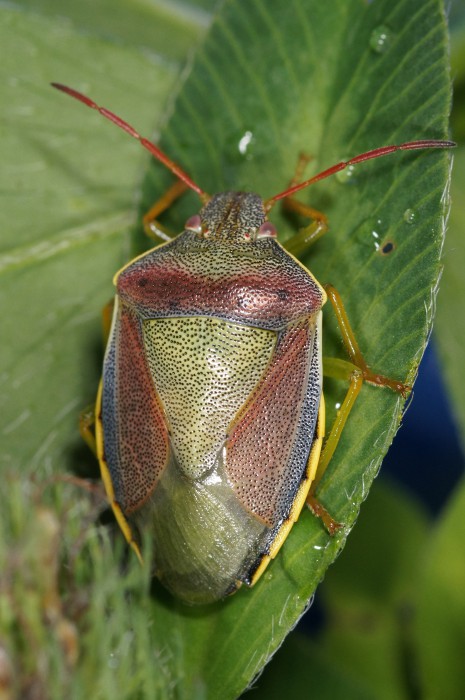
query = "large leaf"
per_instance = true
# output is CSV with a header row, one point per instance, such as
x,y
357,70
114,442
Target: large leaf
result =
x,y
298,76
342,95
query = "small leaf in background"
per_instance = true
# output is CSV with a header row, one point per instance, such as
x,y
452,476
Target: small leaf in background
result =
x,y
367,605
440,621
393,610
369,598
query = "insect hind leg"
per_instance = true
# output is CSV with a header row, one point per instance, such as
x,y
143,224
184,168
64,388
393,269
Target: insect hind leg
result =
x,y
356,372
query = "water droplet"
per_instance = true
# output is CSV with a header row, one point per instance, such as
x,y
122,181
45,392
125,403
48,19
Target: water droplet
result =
x,y
244,142
410,216
377,232
337,405
346,175
268,575
113,660
381,39
239,145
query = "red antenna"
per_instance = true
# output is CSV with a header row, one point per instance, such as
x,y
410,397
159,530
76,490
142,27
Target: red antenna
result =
x,y
269,203
148,145
368,155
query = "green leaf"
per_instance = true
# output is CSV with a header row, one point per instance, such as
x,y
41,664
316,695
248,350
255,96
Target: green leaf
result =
x,y
164,30
369,597
363,649
299,76
301,669
334,99
440,623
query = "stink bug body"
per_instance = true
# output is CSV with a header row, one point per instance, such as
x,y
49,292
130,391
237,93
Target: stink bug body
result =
x,y
210,414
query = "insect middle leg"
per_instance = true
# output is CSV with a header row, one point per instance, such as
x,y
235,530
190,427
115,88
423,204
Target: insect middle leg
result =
x,y
86,427
87,416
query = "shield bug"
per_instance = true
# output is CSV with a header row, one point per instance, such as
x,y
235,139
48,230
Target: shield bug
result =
x,y
209,418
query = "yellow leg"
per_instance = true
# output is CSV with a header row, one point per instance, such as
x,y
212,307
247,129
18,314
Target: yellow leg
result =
x,y
339,369
331,525
308,235
152,227
86,427
302,162
355,371
355,384
299,244
353,349
87,416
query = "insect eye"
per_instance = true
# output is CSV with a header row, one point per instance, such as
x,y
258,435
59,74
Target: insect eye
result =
x,y
267,230
194,223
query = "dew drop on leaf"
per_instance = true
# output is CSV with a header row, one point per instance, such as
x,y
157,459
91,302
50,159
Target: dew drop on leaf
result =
x,y
410,216
381,39
346,175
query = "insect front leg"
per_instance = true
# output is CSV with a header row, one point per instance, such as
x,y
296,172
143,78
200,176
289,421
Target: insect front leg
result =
x,y
152,227
300,243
